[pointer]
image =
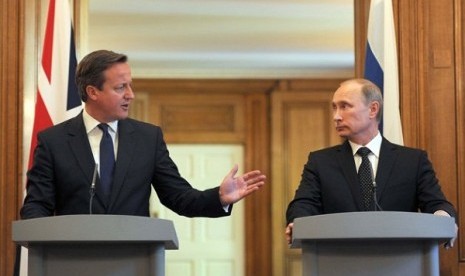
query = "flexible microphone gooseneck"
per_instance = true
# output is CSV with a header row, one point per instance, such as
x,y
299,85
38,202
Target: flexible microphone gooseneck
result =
x,y
92,188
375,198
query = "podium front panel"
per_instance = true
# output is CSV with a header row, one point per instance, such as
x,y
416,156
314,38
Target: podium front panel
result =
x,y
367,258
100,245
372,243
96,260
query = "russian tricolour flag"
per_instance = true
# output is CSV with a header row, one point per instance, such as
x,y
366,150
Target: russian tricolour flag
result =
x,y
381,66
57,98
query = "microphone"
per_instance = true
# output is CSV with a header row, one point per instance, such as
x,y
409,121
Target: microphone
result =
x,y
375,199
92,188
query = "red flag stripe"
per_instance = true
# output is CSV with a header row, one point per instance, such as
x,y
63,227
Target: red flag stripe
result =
x,y
42,120
47,51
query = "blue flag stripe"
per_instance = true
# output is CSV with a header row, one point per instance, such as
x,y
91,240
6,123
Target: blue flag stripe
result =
x,y
373,70
374,73
73,99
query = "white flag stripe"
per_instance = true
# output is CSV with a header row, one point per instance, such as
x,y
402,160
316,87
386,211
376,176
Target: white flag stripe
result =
x,y
382,40
55,94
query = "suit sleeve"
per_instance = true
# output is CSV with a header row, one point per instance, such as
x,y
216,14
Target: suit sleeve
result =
x,y
40,198
307,200
429,193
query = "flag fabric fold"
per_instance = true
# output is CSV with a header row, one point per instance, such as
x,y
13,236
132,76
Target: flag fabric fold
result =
x,y
381,66
57,97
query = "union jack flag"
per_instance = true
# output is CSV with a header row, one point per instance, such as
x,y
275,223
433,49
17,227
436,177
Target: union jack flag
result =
x,y
57,95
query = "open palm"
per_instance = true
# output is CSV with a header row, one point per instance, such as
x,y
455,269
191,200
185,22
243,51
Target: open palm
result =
x,y
233,188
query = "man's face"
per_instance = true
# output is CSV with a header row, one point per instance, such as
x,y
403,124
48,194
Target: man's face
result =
x,y
354,119
116,95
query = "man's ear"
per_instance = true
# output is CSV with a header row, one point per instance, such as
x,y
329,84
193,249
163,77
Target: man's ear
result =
x,y
91,92
374,109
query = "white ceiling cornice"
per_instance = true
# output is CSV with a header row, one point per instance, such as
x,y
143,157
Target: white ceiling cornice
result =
x,y
202,38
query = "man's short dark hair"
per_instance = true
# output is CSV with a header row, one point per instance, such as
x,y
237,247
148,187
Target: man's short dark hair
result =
x,y
90,70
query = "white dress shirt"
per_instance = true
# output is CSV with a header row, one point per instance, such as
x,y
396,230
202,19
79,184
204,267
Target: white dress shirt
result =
x,y
375,146
95,135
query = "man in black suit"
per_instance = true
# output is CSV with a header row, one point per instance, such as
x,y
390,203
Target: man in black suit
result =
x,y
67,154
404,177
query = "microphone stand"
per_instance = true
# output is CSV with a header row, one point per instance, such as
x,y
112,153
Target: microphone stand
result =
x,y
92,189
375,198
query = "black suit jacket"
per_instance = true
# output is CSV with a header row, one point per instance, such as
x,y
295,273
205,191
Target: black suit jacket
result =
x,y
59,181
405,182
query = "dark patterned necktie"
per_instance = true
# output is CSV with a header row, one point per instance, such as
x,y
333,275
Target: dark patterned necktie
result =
x,y
107,161
365,178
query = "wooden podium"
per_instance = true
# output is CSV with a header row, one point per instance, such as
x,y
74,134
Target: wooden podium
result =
x,y
95,245
371,243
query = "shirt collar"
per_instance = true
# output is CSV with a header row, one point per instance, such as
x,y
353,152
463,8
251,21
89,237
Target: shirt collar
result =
x,y
90,123
374,145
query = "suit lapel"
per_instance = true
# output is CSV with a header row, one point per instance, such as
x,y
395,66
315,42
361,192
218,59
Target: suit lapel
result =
x,y
126,144
79,145
387,159
347,164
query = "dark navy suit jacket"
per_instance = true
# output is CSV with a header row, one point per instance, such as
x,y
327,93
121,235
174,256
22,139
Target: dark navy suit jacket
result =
x,y
59,181
405,181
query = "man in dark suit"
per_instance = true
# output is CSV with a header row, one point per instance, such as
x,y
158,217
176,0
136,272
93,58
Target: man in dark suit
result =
x,y
67,155
404,177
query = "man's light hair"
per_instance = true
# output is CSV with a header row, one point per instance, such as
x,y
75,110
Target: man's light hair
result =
x,y
371,93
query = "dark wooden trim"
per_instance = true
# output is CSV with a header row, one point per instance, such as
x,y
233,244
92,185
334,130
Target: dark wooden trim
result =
x,y
11,101
361,12
460,113
409,68
258,206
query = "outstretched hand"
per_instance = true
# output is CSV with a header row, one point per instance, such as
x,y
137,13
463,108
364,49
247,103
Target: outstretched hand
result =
x,y
233,188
